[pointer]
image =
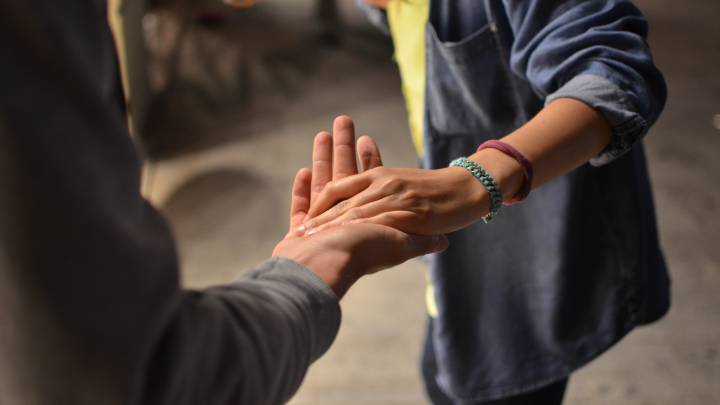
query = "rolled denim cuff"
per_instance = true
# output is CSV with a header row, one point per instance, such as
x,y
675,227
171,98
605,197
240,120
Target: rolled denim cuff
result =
x,y
628,126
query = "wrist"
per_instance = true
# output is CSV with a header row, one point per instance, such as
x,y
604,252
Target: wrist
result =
x,y
330,265
506,171
476,197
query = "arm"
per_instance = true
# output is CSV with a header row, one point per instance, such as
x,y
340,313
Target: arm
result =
x,y
89,269
602,92
602,77
444,200
553,143
91,310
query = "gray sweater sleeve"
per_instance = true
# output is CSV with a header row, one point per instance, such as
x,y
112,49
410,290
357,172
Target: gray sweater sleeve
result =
x,y
91,310
270,326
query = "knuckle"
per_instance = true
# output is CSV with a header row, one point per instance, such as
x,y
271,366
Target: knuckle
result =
x,y
412,196
353,214
341,206
421,204
324,189
392,184
414,201
344,145
379,171
422,212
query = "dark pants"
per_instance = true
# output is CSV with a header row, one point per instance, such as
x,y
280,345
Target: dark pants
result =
x,y
549,395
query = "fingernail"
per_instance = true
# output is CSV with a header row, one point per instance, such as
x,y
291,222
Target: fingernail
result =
x,y
300,229
312,232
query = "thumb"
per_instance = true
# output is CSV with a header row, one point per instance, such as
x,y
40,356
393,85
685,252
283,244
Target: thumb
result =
x,y
419,245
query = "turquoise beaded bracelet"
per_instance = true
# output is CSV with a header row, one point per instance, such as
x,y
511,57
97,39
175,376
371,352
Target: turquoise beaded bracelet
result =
x,y
487,181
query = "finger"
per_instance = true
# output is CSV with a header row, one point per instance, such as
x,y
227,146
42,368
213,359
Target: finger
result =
x,y
344,163
368,153
300,200
355,214
321,164
408,246
420,245
405,221
338,191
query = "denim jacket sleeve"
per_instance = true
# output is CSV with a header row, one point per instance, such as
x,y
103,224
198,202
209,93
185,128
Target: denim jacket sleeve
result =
x,y
593,51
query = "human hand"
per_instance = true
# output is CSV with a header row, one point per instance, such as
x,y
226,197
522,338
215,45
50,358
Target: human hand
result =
x,y
418,201
341,255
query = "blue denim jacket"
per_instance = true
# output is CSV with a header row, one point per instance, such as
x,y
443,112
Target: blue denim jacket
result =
x,y
553,282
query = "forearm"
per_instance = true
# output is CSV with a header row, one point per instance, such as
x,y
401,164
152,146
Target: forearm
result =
x,y
88,270
248,342
564,135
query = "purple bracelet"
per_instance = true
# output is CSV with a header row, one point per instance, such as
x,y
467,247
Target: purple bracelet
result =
x,y
524,162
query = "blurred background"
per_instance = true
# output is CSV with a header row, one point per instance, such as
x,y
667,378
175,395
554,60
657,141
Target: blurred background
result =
x,y
225,103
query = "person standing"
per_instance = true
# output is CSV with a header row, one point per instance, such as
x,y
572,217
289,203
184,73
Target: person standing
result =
x,y
91,310
539,108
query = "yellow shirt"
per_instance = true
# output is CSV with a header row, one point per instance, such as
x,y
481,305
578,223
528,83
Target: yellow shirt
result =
x,y
407,19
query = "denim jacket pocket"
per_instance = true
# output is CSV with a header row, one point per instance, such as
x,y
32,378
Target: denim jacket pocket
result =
x,y
469,91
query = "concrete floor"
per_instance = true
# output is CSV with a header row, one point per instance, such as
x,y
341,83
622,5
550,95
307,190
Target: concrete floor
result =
x,y
225,162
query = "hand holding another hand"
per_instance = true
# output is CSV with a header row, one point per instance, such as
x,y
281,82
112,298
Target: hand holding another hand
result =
x,y
341,255
418,201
